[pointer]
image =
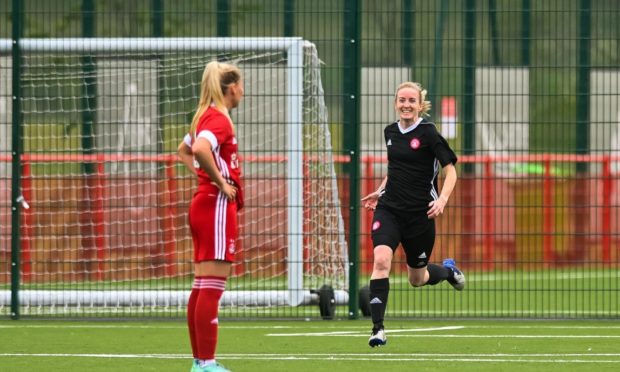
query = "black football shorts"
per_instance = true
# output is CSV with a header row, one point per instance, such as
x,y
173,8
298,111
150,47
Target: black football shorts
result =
x,y
415,231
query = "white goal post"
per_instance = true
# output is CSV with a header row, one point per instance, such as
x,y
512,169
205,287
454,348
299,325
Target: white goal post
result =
x,y
297,63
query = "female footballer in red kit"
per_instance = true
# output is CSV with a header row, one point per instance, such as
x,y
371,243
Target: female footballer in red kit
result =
x,y
209,150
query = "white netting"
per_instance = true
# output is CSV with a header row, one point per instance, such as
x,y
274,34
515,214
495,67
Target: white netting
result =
x,y
109,209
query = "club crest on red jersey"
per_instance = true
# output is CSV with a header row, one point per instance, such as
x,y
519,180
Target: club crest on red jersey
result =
x,y
415,143
231,246
234,161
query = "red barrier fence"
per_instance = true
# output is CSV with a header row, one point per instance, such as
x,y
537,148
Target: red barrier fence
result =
x,y
479,192
96,186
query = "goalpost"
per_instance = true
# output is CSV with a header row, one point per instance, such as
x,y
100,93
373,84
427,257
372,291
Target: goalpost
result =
x,y
102,120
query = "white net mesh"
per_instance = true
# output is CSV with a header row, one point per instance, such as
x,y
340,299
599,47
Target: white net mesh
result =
x,y
109,200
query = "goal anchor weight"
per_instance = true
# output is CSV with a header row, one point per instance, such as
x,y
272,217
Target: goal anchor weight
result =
x,y
364,300
327,302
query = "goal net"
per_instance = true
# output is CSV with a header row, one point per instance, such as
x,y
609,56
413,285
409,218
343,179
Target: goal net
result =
x,y
107,224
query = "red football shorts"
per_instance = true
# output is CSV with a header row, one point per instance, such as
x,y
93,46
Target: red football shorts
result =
x,y
213,222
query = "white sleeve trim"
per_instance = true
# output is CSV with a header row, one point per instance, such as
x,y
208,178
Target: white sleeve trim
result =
x,y
209,136
188,140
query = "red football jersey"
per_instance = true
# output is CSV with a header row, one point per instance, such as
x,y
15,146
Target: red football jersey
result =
x,y
215,127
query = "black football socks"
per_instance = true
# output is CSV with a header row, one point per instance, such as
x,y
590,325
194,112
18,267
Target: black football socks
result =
x,y
437,274
379,289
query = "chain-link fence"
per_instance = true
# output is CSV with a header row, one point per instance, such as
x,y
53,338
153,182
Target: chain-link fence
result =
x,y
95,97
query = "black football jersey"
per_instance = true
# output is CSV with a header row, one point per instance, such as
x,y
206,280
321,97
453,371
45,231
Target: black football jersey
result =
x,y
414,157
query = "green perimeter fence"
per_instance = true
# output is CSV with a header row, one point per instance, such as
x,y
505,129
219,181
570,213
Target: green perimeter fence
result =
x,y
95,97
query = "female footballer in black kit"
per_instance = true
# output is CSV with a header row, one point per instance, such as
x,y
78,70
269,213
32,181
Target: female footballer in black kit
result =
x,y
407,202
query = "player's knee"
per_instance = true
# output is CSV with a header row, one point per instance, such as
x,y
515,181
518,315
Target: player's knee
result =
x,y
382,264
417,282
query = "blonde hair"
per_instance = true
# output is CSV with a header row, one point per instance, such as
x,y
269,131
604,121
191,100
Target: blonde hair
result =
x,y
216,79
424,105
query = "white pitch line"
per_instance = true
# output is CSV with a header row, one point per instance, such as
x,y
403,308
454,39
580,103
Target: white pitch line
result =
x,y
541,327
446,328
351,334
430,359
122,356
322,355
508,313
371,354
509,336
180,326
137,326
352,328
477,358
92,326
356,333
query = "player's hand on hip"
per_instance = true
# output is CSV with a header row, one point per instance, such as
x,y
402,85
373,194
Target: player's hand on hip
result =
x,y
229,190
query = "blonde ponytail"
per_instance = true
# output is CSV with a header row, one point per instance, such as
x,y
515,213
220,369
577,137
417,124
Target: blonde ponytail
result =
x,y
215,81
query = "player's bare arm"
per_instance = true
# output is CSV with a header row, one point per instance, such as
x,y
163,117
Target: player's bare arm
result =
x,y
371,200
437,206
186,156
202,153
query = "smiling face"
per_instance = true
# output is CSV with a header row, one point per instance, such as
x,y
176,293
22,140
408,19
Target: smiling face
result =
x,y
408,104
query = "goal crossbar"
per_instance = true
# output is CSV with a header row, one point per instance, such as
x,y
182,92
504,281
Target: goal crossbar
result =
x,y
120,45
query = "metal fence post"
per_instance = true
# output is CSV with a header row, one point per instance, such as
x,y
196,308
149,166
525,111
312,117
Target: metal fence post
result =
x,y
289,17
407,34
468,108
582,134
223,18
526,33
351,115
582,128
17,148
